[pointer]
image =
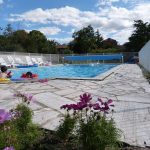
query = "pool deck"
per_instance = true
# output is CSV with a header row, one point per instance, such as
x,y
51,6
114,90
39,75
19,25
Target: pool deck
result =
x,y
125,85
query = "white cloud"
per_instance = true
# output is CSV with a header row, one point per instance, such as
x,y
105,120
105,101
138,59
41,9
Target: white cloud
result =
x,y
122,36
65,15
49,30
109,20
106,2
62,40
1,2
111,2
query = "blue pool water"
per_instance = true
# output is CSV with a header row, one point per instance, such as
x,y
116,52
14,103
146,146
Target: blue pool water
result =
x,y
65,71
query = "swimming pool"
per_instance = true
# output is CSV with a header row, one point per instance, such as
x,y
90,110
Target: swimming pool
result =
x,y
65,71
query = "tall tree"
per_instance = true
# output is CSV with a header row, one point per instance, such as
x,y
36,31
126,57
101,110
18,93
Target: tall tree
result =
x,y
52,46
37,42
99,39
20,38
84,40
139,37
109,43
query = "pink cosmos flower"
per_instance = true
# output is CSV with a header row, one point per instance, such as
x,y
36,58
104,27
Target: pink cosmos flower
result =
x,y
4,116
85,98
27,97
96,106
105,106
9,148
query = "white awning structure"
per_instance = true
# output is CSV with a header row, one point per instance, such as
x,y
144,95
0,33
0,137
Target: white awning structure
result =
x,y
144,56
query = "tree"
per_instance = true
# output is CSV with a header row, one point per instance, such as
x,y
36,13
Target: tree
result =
x,y
37,42
84,40
99,39
20,38
52,47
109,43
139,37
6,39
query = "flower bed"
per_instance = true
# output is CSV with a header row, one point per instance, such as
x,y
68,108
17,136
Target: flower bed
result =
x,y
87,125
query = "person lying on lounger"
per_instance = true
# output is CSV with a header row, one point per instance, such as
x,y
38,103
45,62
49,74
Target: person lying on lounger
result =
x,y
4,74
29,75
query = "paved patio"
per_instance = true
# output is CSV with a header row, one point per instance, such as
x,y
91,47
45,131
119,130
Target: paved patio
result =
x,y
126,86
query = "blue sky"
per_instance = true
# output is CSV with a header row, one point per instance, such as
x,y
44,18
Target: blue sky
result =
x,y
58,19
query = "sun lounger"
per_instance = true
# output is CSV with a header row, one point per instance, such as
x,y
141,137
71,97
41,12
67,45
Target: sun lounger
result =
x,y
28,60
34,60
19,61
40,60
3,62
12,61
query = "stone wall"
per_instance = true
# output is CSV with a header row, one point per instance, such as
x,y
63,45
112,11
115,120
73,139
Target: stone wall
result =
x,y
144,56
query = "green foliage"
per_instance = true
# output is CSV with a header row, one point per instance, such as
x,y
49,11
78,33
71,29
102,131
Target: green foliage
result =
x,y
98,134
19,132
52,47
66,127
95,133
98,39
145,73
27,131
67,51
148,76
109,50
8,135
139,36
25,119
109,43
28,138
92,130
85,40
21,41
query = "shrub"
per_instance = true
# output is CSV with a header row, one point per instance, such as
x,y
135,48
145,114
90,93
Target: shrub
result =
x,y
98,134
94,130
16,126
65,129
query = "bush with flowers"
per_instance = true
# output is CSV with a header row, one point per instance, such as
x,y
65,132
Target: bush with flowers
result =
x,y
16,128
90,126
87,125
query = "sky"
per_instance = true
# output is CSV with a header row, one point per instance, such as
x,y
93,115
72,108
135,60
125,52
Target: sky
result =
x,y
59,19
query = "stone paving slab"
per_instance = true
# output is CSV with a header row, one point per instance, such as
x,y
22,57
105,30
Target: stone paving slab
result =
x,y
126,86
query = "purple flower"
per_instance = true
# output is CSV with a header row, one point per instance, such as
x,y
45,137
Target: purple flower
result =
x,y
81,105
85,98
105,106
29,97
15,114
78,106
74,106
85,103
26,97
96,106
9,148
64,106
109,102
90,105
4,116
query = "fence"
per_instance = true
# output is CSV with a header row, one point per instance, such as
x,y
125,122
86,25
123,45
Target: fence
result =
x,y
59,58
